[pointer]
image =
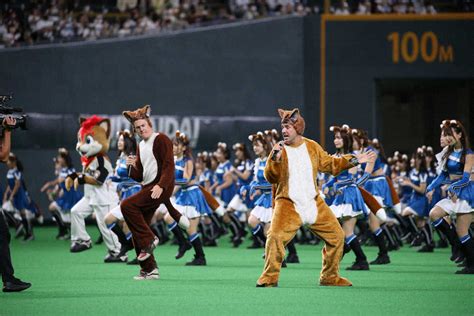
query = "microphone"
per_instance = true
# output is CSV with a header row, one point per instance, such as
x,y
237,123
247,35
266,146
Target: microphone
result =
x,y
129,168
277,151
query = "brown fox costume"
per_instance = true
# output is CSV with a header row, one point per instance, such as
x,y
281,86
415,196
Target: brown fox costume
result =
x,y
99,198
296,203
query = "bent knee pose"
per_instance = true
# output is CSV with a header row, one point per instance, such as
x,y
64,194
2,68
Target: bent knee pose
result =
x,y
61,205
373,180
348,204
292,170
153,166
417,206
456,165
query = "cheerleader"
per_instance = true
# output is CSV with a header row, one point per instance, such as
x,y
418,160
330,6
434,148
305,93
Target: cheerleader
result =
x,y
242,173
457,165
417,205
374,181
61,206
438,194
259,190
348,204
211,226
17,196
126,187
392,226
190,200
224,190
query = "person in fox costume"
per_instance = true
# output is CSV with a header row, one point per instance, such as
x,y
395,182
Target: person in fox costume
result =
x,y
99,197
154,167
292,170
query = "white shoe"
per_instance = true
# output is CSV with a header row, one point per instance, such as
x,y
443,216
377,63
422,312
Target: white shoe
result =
x,y
152,275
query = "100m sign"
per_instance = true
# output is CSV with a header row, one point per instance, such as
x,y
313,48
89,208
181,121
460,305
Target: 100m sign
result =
x,y
409,47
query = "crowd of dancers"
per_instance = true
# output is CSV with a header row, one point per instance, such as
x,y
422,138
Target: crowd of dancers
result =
x,y
389,202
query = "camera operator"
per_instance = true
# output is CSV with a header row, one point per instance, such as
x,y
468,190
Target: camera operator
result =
x,y
10,283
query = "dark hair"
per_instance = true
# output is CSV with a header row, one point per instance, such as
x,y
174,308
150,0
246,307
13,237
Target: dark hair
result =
x,y
274,135
181,138
129,143
346,136
360,136
224,149
14,159
205,158
378,146
420,154
430,153
64,154
447,127
259,137
244,149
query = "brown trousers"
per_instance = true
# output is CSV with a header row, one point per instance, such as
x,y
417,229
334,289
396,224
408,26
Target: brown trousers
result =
x,y
138,211
285,223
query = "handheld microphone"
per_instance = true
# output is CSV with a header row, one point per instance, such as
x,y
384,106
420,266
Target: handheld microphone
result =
x,y
277,151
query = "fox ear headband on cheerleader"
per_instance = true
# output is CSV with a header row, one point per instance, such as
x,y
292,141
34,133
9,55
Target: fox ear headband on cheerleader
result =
x,y
340,129
181,138
449,124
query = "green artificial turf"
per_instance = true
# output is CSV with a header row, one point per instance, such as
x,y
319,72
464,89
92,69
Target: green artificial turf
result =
x,y
81,284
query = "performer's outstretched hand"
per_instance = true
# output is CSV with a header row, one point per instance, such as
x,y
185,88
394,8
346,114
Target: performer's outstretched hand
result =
x,y
156,192
368,156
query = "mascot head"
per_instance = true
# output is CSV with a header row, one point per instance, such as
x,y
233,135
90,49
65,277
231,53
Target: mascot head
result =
x,y
93,137
294,118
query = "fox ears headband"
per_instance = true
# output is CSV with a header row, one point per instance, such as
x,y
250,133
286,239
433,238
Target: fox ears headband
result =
x,y
181,138
337,129
257,136
142,113
294,118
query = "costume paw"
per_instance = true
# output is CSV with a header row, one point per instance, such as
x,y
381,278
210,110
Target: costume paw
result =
x,y
267,285
338,281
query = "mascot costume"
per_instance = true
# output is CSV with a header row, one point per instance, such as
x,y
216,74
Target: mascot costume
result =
x,y
99,196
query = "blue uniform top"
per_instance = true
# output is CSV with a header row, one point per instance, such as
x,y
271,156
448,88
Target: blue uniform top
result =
x,y
126,185
63,173
228,193
222,169
453,164
20,200
245,165
378,162
179,165
207,175
68,198
259,182
417,178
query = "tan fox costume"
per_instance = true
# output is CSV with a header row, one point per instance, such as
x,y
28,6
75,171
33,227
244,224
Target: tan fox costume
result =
x,y
297,203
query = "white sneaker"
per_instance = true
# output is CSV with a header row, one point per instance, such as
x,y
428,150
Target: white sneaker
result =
x,y
152,275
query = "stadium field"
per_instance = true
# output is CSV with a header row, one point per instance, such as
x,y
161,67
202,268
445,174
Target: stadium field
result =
x,y
80,284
